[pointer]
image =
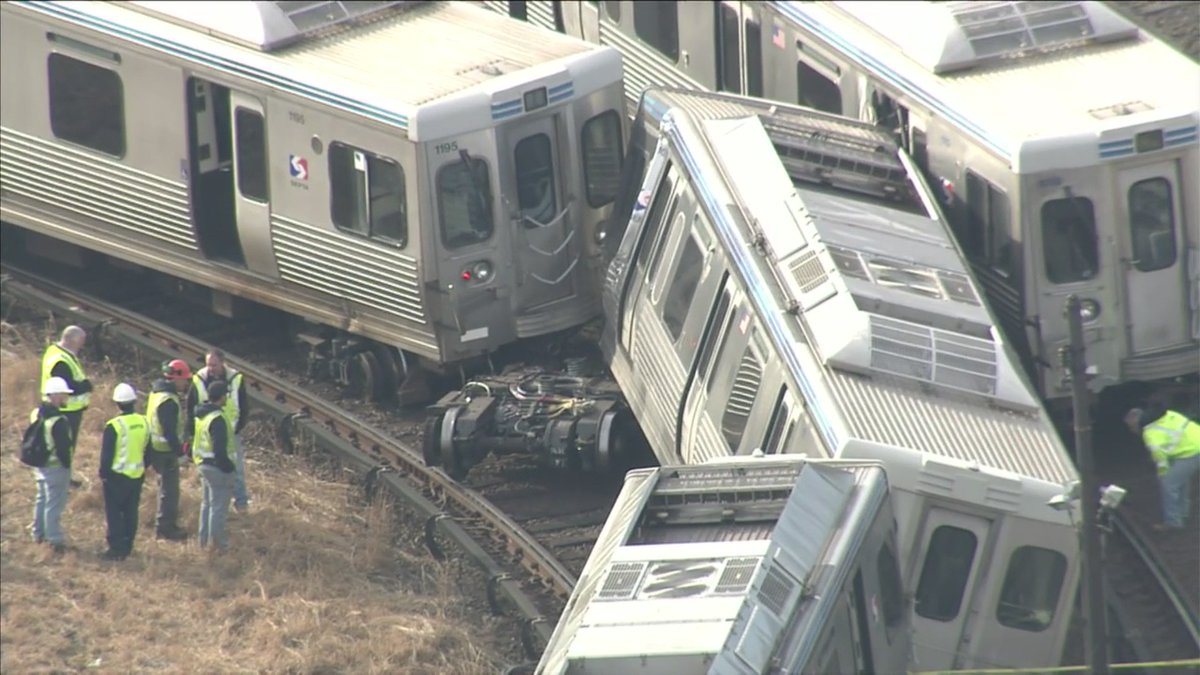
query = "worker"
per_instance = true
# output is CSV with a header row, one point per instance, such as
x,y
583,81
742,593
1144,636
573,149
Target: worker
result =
x,y
165,412
1174,444
54,479
61,359
122,453
210,450
236,410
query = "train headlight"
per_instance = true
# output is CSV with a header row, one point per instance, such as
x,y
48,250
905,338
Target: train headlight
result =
x,y
477,272
1089,310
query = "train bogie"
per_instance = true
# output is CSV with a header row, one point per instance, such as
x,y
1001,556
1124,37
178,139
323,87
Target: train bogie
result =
x,y
442,210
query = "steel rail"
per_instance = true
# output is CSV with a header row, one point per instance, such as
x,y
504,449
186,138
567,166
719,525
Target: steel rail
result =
x,y
1132,534
385,459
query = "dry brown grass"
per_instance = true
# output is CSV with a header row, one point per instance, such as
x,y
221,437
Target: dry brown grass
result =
x,y
313,583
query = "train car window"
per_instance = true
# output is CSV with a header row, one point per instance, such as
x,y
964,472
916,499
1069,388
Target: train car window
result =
x,y
989,224
1069,240
657,23
741,398
716,322
602,157
251,148
533,160
613,10
817,91
779,420
464,196
683,287
754,58
721,341
1029,597
944,576
891,589
660,246
1152,224
366,194
729,67
87,104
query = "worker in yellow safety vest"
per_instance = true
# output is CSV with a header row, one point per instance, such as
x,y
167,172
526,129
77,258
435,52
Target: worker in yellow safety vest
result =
x,y
210,450
54,478
61,359
165,413
236,411
1174,444
122,466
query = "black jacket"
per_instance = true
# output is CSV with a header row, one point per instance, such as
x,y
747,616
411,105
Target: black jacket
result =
x,y
168,416
61,433
243,403
61,369
219,429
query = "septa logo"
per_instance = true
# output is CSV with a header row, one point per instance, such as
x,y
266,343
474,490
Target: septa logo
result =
x,y
298,167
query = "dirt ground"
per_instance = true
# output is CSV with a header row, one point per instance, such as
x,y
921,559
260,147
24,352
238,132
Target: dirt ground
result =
x,y
313,583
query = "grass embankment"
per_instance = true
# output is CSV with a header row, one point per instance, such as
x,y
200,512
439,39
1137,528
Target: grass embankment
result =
x,y
313,581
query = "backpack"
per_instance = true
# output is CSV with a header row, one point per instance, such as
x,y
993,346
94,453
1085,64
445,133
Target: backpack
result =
x,y
34,452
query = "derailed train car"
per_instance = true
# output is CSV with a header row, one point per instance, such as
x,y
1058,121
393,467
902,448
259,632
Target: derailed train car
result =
x,y
419,181
745,566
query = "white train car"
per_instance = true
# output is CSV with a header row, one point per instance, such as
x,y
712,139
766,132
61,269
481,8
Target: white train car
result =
x,y
420,180
1064,144
786,283
740,567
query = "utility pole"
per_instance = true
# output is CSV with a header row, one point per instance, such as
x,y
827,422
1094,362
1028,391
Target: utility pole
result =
x,y
1096,637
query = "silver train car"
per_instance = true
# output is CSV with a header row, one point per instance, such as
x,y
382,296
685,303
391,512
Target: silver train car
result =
x,y
422,181
1055,184
741,567
787,284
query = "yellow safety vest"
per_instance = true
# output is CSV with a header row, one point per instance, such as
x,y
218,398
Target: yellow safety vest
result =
x,y
130,451
50,358
157,440
48,436
234,379
202,443
1170,437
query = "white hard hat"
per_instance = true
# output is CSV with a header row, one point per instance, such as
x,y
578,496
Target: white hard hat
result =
x,y
123,393
57,385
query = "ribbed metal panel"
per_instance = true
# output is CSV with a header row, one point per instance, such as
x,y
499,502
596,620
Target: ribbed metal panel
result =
x,y
540,13
356,270
644,67
659,367
99,188
886,409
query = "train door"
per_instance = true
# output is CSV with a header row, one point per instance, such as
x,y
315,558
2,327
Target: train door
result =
x,y
1155,259
953,551
210,171
252,202
543,232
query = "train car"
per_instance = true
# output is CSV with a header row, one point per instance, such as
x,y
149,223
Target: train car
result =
x,y
420,180
757,565
1056,184
787,284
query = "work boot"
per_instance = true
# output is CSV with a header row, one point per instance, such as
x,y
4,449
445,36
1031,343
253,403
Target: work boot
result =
x,y
172,534
59,549
111,555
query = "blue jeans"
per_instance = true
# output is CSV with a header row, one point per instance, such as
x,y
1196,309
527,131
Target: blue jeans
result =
x,y
214,505
241,498
1176,486
53,483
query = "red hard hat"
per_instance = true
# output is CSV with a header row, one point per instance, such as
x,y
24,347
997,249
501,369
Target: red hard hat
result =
x,y
177,370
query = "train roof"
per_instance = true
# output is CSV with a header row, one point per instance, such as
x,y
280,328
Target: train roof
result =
x,y
709,566
383,60
874,311
1010,73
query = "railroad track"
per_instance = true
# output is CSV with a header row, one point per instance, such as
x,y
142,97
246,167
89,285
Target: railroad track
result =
x,y
453,510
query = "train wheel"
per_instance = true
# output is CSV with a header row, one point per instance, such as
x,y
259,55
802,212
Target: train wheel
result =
x,y
431,440
364,376
389,373
452,459
614,443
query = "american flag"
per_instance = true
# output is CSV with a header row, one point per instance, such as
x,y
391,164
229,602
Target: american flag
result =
x,y
777,35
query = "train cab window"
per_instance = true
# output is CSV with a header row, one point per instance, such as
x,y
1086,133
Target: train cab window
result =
x,y
613,10
657,23
366,194
891,589
87,104
1029,597
1152,224
746,383
251,134
1069,240
944,576
464,198
989,225
602,159
814,88
533,159
683,287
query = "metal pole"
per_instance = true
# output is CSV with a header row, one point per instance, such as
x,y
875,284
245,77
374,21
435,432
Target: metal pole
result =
x,y
1096,638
